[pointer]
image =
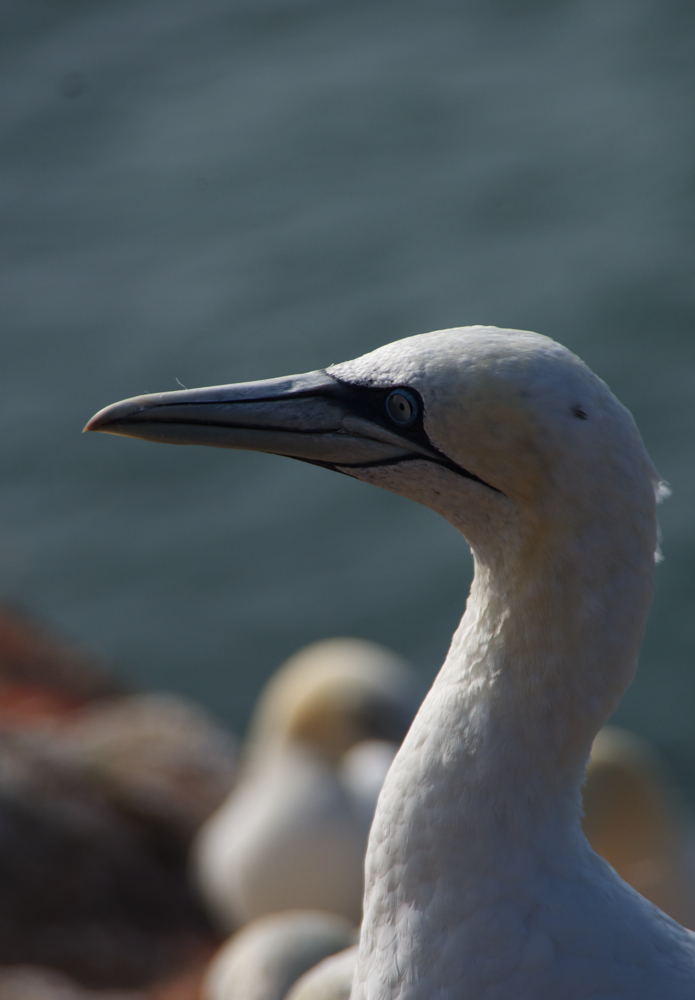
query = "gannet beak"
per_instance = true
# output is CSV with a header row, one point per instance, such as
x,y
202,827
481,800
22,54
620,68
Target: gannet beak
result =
x,y
315,418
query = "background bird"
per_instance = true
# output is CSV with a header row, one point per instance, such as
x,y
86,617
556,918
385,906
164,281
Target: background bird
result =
x,y
293,832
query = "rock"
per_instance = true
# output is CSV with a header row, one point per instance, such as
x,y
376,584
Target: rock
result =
x,y
100,794
157,756
43,675
31,983
83,888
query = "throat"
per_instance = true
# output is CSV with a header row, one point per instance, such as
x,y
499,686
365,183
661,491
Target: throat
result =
x,y
533,672
493,764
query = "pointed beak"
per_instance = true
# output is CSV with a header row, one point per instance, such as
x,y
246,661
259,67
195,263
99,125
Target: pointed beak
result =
x,y
314,417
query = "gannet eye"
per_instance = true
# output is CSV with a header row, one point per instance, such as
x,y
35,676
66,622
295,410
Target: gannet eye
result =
x,y
402,407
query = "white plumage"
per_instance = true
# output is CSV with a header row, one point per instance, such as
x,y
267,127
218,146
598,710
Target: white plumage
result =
x,y
479,881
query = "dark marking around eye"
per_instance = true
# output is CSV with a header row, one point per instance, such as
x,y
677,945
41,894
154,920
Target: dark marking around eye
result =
x,y
579,412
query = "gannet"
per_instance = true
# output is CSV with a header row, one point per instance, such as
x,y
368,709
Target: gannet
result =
x,y
330,979
293,833
633,817
264,959
479,880
331,695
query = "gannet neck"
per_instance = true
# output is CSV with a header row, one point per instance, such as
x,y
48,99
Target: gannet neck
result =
x,y
480,814
479,881
544,652
545,648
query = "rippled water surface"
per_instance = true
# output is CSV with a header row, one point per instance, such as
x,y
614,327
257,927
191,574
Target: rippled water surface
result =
x,y
207,191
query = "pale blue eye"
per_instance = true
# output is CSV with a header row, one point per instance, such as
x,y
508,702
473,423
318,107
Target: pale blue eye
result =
x,y
401,407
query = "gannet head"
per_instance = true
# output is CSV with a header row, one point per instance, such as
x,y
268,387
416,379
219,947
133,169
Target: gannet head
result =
x,y
331,695
506,433
512,439
554,456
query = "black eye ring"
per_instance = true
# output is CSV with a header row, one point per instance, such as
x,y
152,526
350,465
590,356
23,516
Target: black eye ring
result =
x,y
402,408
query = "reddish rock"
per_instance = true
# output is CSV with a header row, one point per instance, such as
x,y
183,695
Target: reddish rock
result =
x,y
34,983
41,674
158,756
99,796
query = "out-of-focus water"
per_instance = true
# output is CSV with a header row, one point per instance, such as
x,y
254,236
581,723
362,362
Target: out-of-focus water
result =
x,y
219,190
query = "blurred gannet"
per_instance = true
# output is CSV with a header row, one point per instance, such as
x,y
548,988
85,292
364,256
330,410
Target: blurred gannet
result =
x,y
293,833
479,880
264,959
331,979
635,820
331,695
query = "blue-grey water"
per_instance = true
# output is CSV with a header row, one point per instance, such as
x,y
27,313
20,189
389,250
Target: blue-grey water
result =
x,y
204,191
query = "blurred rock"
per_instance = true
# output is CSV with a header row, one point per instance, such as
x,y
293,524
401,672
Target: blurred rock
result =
x,y
100,794
41,675
159,757
30,983
186,984
83,888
